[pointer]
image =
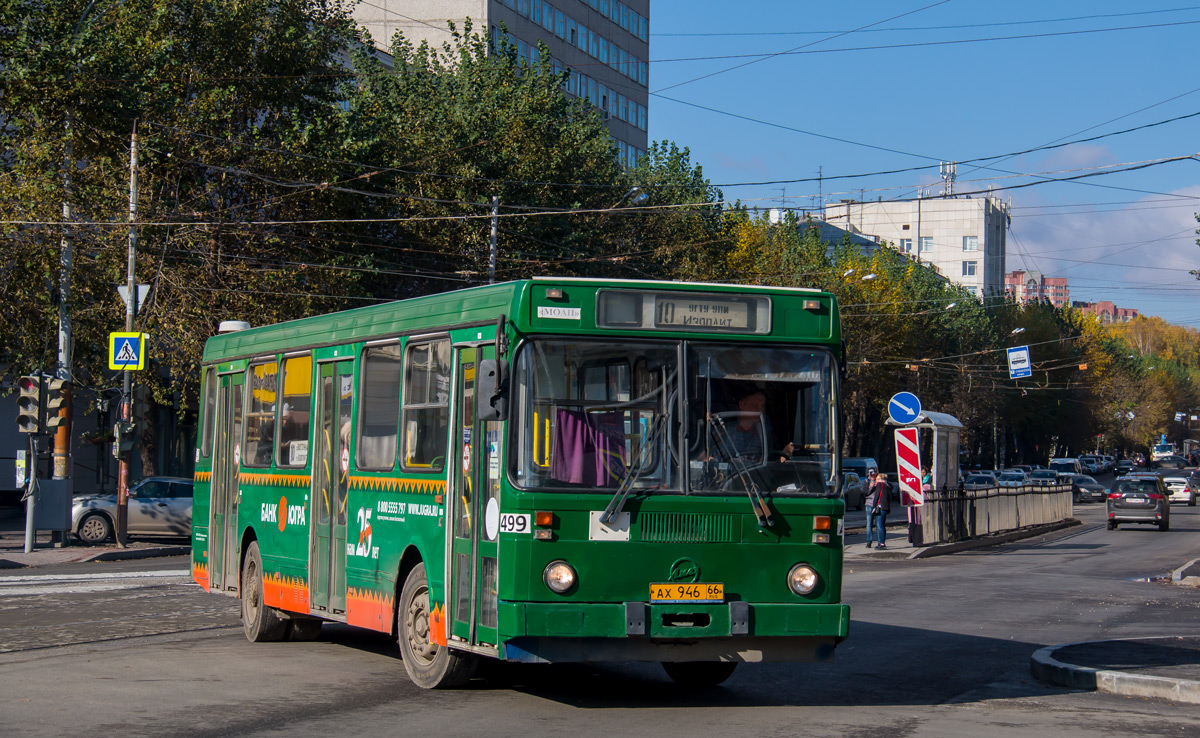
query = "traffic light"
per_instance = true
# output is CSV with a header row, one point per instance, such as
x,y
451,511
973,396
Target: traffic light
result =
x,y
58,394
29,405
123,437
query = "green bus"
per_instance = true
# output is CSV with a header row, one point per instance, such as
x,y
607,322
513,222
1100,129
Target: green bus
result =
x,y
544,470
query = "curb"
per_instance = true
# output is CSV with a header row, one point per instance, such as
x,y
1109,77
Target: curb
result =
x,y
141,553
1046,668
111,555
1015,535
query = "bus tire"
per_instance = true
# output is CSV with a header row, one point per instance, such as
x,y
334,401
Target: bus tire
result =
x,y
303,629
699,674
429,665
260,622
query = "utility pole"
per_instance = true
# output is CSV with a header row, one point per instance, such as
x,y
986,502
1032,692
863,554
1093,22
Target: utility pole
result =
x,y
130,313
62,437
492,249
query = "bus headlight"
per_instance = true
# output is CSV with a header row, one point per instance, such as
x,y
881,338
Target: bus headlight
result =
x,y
559,576
802,579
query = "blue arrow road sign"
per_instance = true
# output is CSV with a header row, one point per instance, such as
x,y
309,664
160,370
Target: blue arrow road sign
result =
x,y
904,408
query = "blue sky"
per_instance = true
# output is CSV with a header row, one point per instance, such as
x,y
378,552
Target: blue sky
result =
x,y
1125,236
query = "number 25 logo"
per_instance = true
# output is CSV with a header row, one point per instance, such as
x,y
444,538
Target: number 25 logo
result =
x,y
364,532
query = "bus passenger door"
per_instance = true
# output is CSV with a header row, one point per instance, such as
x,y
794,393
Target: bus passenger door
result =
x,y
331,468
472,596
224,496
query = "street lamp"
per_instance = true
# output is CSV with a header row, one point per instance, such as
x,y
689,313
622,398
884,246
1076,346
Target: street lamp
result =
x,y
868,277
952,305
636,193
1015,331
848,272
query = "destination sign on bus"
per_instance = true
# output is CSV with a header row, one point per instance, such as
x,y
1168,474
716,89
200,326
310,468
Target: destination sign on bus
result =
x,y
710,312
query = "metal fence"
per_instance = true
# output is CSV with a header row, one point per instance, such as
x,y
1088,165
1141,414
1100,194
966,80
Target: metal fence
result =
x,y
950,515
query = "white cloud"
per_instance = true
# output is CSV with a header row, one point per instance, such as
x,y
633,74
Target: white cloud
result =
x,y
1138,256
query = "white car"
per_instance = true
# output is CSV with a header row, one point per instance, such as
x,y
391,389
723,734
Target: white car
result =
x,y
1180,491
1012,478
158,506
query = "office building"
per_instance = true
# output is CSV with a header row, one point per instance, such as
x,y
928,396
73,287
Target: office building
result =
x,y
964,238
605,44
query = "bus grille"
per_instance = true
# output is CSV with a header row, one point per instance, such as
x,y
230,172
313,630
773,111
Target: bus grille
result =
x,y
686,528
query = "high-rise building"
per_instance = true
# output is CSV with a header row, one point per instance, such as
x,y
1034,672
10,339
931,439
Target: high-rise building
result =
x,y
963,237
1031,286
604,43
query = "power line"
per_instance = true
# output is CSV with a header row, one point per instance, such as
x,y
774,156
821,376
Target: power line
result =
x,y
795,50
932,28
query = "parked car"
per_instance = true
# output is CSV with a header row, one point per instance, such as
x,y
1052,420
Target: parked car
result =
x,y
1043,477
1179,489
1123,467
854,490
859,465
1066,467
158,506
1087,489
1091,464
1012,478
1139,498
981,481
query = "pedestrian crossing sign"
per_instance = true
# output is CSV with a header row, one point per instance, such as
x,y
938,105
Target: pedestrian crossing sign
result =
x,y
127,351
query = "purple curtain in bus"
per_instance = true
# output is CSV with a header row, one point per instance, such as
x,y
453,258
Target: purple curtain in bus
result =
x,y
588,448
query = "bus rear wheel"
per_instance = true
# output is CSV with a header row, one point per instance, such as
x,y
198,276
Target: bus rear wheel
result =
x,y
260,622
429,665
699,673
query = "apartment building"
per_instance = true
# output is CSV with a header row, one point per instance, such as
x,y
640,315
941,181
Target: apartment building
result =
x,y
604,43
964,237
1106,311
1031,286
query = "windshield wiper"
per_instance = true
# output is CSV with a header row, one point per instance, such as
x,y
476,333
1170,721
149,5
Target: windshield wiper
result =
x,y
633,473
761,511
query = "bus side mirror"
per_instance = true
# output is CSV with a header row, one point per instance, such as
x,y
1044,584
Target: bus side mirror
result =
x,y
492,390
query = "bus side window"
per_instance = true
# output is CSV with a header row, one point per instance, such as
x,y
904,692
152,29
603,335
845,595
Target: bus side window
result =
x,y
294,417
379,408
425,416
260,418
210,406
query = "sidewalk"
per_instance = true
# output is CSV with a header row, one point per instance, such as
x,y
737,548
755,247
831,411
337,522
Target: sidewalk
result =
x,y
1166,667
13,556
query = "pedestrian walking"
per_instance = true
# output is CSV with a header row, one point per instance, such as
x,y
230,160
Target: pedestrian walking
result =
x,y
878,504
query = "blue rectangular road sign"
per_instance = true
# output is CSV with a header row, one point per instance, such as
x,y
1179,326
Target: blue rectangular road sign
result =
x,y
1019,364
127,351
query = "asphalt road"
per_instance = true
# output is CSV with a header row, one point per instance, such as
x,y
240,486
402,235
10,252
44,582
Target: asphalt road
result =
x,y
938,647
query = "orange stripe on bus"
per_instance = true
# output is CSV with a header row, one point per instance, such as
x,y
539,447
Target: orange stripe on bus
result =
x,y
286,593
368,609
200,574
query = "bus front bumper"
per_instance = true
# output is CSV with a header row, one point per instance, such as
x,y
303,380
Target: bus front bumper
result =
x,y
637,631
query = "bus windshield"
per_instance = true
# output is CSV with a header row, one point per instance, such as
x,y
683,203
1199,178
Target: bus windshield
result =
x,y
737,418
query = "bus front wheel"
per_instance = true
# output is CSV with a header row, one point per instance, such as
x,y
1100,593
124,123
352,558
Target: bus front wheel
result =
x,y
699,674
429,665
260,622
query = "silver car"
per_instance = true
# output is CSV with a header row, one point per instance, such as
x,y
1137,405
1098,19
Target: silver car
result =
x,y
158,506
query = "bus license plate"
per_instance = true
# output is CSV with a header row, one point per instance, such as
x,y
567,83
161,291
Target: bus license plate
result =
x,y
687,592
